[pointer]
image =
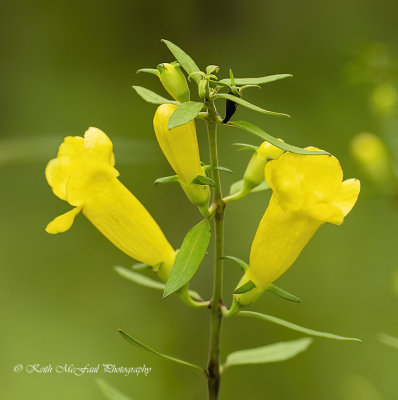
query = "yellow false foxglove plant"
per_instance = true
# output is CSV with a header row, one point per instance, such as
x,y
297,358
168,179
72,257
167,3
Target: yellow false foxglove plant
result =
x,y
307,191
307,184
83,174
180,147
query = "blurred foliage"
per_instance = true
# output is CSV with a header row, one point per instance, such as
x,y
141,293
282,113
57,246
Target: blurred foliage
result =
x,y
68,65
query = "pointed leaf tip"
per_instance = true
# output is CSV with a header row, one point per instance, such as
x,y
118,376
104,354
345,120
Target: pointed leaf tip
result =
x,y
271,353
295,327
143,346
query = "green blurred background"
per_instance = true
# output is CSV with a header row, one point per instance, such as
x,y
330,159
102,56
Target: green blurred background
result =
x,y
68,65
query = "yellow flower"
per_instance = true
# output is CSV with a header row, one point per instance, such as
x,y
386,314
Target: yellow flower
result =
x,y
180,147
173,80
307,192
83,174
372,155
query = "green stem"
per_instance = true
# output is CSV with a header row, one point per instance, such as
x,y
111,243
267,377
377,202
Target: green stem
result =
x,y
213,368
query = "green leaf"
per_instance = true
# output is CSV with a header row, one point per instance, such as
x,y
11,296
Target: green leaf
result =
x,y
272,353
204,180
282,293
152,97
143,280
218,167
246,104
140,267
388,340
167,179
253,129
138,278
184,59
219,83
294,327
190,255
238,185
261,187
256,81
142,346
109,391
152,71
238,261
246,146
185,113
245,288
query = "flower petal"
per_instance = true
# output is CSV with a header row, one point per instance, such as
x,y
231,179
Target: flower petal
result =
x,y
99,147
63,222
348,195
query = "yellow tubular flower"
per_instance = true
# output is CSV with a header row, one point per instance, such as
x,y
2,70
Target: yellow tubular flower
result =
x,y
83,174
180,147
307,192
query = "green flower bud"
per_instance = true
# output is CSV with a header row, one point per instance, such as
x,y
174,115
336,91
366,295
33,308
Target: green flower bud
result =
x,y
203,89
254,173
173,80
384,99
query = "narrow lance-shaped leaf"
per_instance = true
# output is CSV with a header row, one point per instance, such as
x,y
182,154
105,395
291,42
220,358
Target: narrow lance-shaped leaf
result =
x,y
145,281
256,81
243,265
388,340
185,113
294,327
244,103
152,71
272,353
246,287
152,97
110,392
246,146
204,180
238,185
167,179
218,167
255,130
184,59
283,294
142,346
138,278
189,257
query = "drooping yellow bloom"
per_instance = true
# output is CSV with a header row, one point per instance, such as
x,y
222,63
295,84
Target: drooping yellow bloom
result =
x,y
307,192
83,174
180,147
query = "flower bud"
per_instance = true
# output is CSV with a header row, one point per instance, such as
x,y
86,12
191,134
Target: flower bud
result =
x,y
384,100
203,89
372,155
254,173
180,147
173,80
